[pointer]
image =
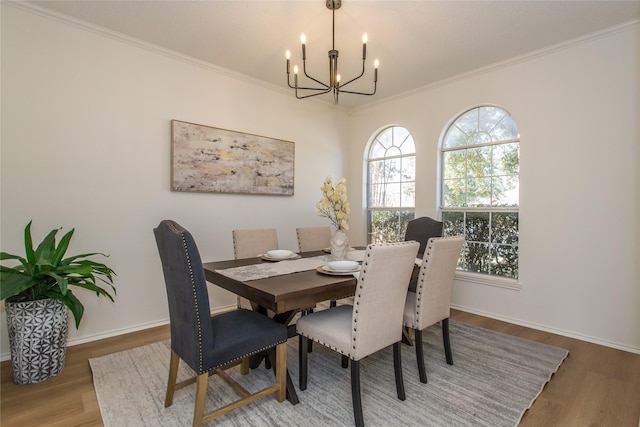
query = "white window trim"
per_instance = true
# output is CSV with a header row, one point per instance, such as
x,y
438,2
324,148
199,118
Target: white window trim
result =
x,y
468,276
488,280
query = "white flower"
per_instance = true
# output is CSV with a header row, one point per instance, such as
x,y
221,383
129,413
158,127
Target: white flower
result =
x,y
334,204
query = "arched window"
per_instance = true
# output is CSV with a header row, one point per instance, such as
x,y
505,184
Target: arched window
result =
x,y
480,189
391,185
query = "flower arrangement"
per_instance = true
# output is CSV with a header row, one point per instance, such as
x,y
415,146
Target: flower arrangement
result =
x,y
334,204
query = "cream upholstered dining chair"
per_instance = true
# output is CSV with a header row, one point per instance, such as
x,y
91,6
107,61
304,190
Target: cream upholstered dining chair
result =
x,y
431,301
207,344
372,323
313,238
251,244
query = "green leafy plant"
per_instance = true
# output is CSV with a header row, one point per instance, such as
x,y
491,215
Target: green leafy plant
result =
x,y
45,273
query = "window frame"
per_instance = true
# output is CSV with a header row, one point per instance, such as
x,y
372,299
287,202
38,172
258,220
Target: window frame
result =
x,y
402,210
466,275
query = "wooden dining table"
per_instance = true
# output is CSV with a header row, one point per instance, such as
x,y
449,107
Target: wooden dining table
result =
x,y
283,295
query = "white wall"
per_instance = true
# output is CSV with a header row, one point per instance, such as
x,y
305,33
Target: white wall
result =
x,y
577,111
86,144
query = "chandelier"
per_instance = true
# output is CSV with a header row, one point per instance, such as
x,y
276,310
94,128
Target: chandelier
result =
x,y
334,86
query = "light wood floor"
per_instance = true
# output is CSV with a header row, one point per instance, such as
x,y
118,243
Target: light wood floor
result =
x,y
595,386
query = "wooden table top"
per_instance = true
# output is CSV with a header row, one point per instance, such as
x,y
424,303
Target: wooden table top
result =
x,y
283,293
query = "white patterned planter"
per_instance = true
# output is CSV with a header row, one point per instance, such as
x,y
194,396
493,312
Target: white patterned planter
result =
x,y
38,339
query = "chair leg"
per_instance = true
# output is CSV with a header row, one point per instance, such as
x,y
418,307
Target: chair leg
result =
x,y
201,394
397,366
406,336
332,303
447,341
420,356
345,361
355,393
244,366
281,371
302,358
310,343
174,361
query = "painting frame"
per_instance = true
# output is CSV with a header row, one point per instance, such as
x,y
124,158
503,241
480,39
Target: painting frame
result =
x,y
207,159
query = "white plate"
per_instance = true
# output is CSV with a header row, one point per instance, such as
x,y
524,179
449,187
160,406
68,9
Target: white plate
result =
x,y
343,265
279,254
268,258
324,270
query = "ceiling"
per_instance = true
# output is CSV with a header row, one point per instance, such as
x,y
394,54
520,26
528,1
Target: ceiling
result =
x,y
417,42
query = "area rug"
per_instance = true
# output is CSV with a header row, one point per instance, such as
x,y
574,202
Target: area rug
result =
x,y
494,379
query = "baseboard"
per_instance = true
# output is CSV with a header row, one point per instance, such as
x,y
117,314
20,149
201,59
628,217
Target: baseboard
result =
x,y
544,328
116,332
140,327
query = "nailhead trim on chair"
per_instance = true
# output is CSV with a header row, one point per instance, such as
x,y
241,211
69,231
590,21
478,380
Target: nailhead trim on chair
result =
x,y
328,346
361,280
195,297
193,287
245,355
423,275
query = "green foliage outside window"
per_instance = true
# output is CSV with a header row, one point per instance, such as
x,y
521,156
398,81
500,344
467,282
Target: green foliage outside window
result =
x,y
480,189
390,185
491,241
388,226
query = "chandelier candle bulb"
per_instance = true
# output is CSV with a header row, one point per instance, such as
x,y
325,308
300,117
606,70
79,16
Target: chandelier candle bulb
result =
x,y
364,46
303,40
288,56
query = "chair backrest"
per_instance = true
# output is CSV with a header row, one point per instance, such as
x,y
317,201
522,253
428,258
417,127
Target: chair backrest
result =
x,y
380,296
189,312
313,238
252,243
436,277
421,230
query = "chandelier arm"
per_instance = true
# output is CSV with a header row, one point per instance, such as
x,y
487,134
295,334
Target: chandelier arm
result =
x,y
313,94
304,69
324,90
375,86
306,88
356,78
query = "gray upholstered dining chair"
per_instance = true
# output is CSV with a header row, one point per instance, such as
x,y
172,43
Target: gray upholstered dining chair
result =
x,y
313,238
421,230
251,244
431,301
372,323
207,344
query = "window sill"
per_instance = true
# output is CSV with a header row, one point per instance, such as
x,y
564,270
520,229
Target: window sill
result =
x,y
483,279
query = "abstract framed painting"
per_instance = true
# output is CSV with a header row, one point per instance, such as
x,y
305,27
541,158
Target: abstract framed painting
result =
x,y
213,160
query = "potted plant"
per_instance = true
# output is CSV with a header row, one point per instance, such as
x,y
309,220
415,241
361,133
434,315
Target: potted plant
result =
x,y
38,299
